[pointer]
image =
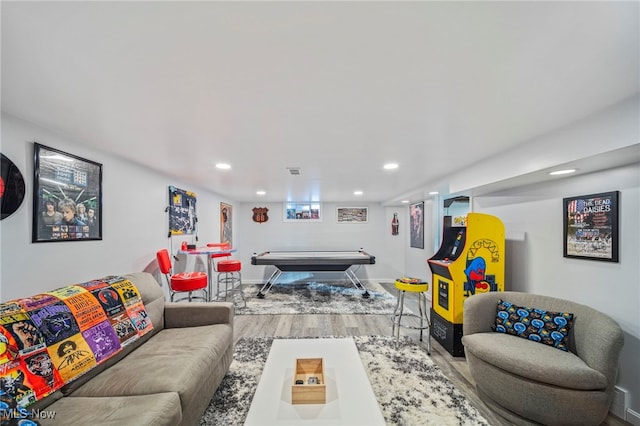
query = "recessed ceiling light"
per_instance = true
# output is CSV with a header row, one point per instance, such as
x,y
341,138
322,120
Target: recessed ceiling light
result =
x,y
404,201
562,172
223,166
433,193
390,166
260,192
357,192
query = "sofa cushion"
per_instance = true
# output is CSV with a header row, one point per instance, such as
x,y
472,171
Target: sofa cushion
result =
x,y
539,363
139,410
171,360
538,325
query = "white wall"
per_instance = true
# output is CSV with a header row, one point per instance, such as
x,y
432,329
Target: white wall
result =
x,y
537,265
135,224
374,237
535,262
533,220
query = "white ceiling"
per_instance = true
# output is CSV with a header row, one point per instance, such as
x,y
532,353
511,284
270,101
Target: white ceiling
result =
x,y
335,88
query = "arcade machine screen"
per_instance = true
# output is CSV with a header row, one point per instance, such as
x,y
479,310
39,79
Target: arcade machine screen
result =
x,y
452,244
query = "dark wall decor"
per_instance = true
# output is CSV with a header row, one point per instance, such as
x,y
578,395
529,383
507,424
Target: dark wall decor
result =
x,y
182,212
260,214
416,218
67,197
590,226
12,187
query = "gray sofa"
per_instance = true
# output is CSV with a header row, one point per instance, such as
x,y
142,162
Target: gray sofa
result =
x,y
166,378
531,383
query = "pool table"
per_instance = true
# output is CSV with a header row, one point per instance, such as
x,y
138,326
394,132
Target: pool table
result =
x,y
313,261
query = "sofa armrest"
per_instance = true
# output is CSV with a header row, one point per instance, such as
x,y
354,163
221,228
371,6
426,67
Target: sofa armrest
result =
x,y
480,312
195,314
598,340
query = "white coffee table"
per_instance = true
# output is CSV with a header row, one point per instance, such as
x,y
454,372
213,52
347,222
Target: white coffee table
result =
x,y
350,399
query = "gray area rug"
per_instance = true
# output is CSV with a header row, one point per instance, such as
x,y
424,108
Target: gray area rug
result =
x,y
409,387
317,298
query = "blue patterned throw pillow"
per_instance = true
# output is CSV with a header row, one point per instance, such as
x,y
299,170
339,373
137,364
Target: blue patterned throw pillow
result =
x,y
549,328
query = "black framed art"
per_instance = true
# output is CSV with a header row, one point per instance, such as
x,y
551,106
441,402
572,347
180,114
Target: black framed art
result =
x,y
67,197
590,226
416,219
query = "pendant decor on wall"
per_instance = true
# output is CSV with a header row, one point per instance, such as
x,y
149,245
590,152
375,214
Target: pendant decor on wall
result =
x,y
260,214
182,212
12,187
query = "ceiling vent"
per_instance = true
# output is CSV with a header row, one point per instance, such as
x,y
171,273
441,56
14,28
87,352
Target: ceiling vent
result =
x,y
294,171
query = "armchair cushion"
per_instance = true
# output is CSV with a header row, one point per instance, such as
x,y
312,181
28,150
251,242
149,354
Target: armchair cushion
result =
x,y
540,363
538,325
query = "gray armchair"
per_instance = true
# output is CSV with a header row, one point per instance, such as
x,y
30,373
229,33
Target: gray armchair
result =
x,y
531,383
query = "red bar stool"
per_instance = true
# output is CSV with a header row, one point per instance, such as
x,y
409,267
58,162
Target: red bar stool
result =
x,y
221,246
182,282
229,274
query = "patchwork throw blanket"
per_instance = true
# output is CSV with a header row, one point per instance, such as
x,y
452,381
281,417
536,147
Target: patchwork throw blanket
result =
x,y
52,338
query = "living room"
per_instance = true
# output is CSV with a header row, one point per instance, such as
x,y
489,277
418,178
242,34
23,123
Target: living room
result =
x,y
135,221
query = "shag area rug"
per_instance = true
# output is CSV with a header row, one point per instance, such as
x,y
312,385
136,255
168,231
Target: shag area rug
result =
x,y
409,387
317,298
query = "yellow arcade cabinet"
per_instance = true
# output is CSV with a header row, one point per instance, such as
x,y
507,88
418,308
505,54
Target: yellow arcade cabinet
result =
x,y
470,260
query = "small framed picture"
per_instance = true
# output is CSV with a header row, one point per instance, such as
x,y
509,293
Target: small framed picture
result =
x,y
590,226
352,214
302,212
67,197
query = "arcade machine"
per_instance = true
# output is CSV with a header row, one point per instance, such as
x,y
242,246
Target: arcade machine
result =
x,y
470,260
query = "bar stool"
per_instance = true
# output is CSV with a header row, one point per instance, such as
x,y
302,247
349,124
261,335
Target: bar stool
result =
x,y
420,288
182,282
229,274
213,257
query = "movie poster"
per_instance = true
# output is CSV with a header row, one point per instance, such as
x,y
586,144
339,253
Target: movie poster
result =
x,y
591,226
67,201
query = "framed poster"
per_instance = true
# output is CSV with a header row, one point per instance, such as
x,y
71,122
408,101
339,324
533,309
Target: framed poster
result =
x,y
67,197
352,214
226,223
416,219
182,212
590,226
302,212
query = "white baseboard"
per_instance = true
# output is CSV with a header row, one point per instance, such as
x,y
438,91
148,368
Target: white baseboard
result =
x,y
632,417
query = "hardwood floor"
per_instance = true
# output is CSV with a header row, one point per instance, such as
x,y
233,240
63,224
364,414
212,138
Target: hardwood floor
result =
x,y
366,325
